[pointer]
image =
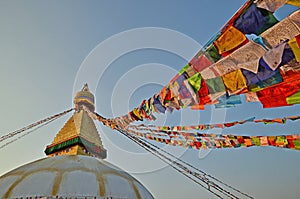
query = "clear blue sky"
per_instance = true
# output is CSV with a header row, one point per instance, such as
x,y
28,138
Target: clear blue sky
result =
x,y
44,48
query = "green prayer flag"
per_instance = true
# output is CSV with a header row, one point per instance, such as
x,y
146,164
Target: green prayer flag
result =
x,y
195,81
184,69
272,21
294,99
213,53
297,144
215,85
256,141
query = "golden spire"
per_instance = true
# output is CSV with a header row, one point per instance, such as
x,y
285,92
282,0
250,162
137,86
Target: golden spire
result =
x,y
79,136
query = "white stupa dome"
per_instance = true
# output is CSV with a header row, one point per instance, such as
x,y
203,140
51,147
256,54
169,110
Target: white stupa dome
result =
x,y
71,176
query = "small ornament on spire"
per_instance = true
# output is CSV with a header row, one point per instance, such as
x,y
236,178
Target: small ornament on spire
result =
x,y
84,98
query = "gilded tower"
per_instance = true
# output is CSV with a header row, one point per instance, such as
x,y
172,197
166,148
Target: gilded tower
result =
x,y
79,136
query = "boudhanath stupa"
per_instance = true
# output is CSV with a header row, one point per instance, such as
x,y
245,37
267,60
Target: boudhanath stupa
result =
x,y
75,166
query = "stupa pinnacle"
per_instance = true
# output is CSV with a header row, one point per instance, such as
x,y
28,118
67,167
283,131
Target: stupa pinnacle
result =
x,y
84,98
79,135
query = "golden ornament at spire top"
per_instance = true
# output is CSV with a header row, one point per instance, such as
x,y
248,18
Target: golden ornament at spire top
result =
x,y
84,98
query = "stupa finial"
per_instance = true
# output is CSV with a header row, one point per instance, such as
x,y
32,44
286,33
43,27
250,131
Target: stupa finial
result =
x,y
84,98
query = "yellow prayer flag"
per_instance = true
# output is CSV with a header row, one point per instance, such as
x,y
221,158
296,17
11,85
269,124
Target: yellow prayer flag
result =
x,y
229,40
234,80
295,48
136,112
294,2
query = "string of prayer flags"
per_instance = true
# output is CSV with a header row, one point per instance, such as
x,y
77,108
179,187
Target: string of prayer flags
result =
x,y
202,127
217,141
253,54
